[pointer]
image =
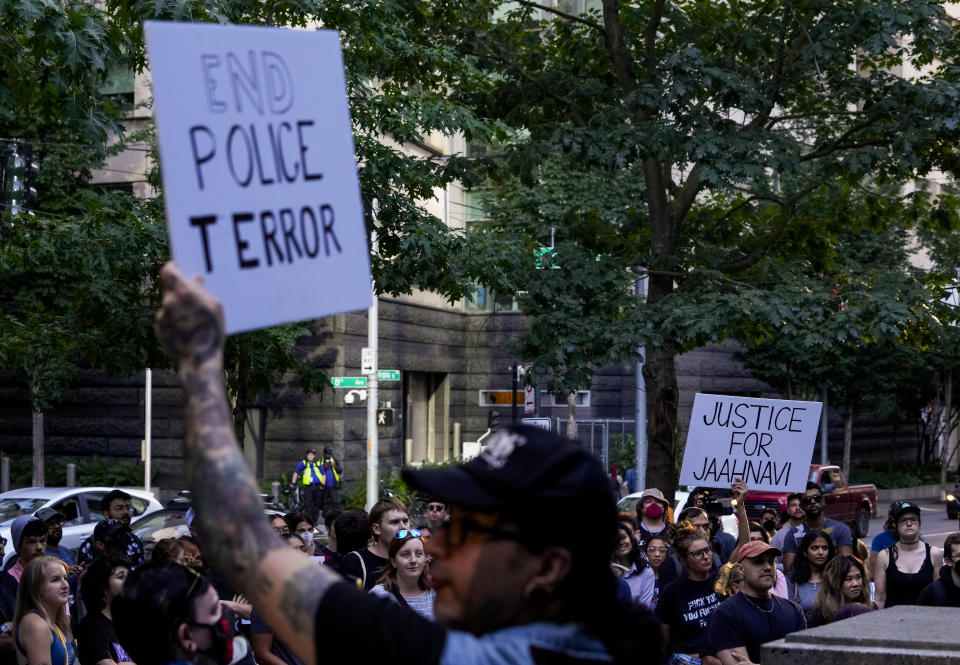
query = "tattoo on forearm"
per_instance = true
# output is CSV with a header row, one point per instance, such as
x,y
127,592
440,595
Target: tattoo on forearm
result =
x,y
193,331
301,596
219,476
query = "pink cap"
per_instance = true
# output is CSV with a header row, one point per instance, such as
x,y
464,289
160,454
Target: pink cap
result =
x,y
755,548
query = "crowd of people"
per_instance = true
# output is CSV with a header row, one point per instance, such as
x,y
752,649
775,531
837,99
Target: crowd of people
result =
x,y
706,595
521,558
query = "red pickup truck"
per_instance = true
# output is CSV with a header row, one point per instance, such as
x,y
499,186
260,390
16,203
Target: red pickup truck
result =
x,y
841,502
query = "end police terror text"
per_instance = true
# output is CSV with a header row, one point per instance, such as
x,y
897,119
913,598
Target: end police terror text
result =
x,y
266,149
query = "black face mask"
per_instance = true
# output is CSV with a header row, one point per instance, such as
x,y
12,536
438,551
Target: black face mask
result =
x,y
769,525
221,632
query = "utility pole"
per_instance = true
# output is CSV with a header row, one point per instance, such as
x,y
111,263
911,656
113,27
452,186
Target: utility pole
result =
x,y
640,415
373,442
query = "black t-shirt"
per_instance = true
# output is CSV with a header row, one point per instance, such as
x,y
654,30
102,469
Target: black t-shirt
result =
x,y
685,606
749,622
351,568
96,640
376,625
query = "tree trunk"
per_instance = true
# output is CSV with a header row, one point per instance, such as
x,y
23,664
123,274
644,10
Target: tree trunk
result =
x,y
660,374
572,416
847,441
946,431
38,470
893,444
240,401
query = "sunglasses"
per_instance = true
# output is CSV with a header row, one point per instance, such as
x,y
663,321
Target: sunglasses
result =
x,y
436,507
408,533
813,498
197,578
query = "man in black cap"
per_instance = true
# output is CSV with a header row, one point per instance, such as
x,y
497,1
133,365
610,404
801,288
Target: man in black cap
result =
x,y
310,474
521,568
54,521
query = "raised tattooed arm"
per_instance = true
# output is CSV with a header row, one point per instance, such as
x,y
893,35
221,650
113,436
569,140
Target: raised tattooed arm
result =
x,y
285,586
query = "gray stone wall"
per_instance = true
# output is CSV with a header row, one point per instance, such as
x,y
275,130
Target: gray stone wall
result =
x,y
104,415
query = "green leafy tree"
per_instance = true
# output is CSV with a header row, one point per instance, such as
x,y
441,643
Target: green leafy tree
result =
x,y
863,328
692,143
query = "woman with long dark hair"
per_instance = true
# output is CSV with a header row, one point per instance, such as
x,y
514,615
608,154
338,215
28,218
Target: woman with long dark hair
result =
x,y
101,582
656,551
631,567
844,583
815,551
404,580
41,625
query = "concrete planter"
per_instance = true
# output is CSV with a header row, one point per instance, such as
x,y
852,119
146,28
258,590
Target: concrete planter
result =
x,y
919,493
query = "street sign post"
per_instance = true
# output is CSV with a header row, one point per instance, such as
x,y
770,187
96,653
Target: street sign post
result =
x,y
388,375
542,423
348,381
366,360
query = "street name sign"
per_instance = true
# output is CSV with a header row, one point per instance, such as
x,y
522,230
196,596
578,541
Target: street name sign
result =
x,y
388,375
259,171
767,443
348,381
542,423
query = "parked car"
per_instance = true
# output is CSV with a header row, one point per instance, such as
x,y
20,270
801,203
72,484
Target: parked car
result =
x,y
171,522
79,505
841,501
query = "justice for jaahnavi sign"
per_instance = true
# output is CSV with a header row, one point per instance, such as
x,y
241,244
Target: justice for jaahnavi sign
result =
x,y
767,443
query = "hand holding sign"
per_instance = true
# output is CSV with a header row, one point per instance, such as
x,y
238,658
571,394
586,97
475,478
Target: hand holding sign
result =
x,y
739,490
190,321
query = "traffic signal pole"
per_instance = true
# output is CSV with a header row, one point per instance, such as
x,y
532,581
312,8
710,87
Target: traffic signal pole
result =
x,y
373,442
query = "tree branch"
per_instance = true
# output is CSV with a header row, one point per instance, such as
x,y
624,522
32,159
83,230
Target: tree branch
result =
x,y
786,214
688,194
650,42
616,46
553,10
575,114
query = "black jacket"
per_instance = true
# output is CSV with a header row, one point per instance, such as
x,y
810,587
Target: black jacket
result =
x,y
941,593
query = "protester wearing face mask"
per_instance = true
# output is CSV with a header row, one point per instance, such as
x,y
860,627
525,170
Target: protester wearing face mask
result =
x,y
652,515
167,613
769,521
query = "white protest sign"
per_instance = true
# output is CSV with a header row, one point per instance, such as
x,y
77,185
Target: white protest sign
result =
x,y
259,174
766,442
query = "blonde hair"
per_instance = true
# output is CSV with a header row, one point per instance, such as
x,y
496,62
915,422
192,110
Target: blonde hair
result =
x,y
28,595
722,585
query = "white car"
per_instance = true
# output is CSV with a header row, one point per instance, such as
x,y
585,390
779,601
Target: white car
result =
x,y
628,504
79,505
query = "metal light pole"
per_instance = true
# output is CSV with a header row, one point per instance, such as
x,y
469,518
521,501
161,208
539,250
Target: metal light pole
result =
x,y
640,432
373,442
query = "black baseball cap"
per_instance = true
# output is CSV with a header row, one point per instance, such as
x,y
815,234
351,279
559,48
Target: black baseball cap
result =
x,y
898,508
106,529
49,515
311,450
529,475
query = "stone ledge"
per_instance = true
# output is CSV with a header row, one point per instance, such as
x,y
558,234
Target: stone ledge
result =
x,y
932,492
908,635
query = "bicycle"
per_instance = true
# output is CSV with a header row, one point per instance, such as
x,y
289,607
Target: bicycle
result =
x,y
292,499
